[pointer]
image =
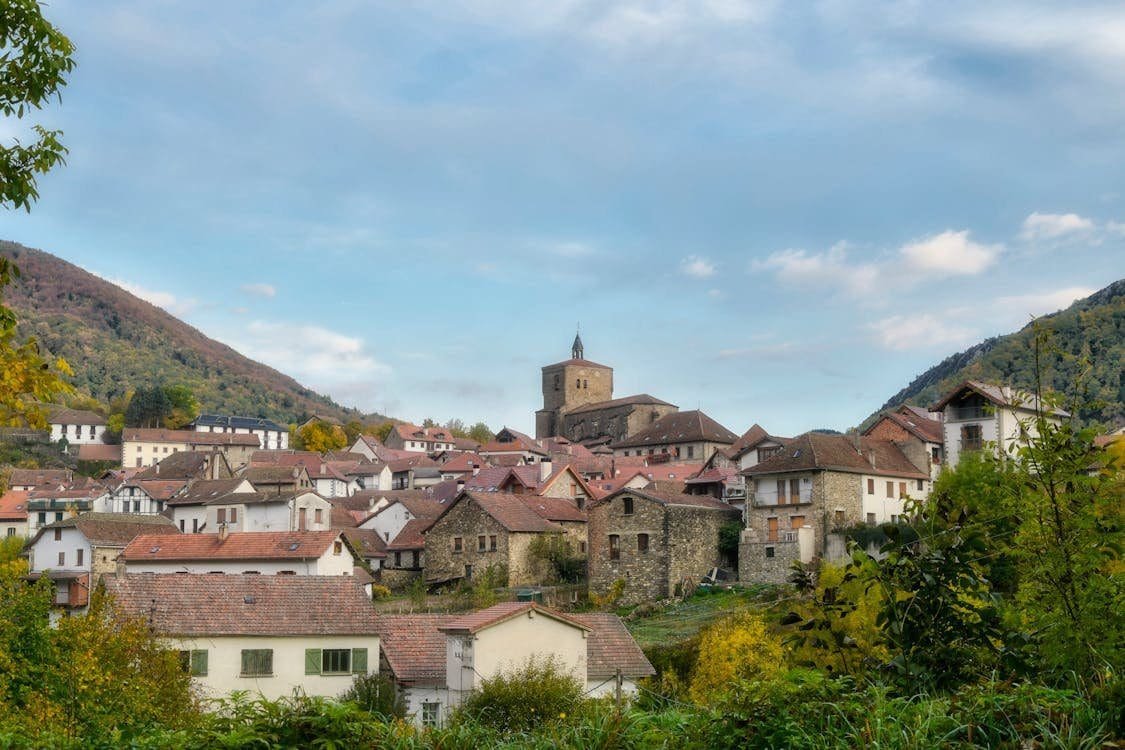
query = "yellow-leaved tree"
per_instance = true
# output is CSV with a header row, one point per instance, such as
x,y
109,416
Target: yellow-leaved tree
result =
x,y
738,647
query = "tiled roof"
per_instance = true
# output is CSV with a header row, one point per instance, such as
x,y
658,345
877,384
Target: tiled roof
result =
x,y
641,399
513,512
63,415
929,430
255,498
488,479
366,542
412,462
712,475
414,647
474,622
272,474
424,434
38,477
158,489
463,462
680,427
203,490
750,439
181,465
818,451
13,505
465,444
239,423
190,437
239,545
513,446
580,363
213,605
704,502
112,529
554,508
310,460
999,395
610,647
99,452
410,536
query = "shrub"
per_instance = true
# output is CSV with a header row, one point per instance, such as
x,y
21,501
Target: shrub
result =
x,y
539,691
377,693
737,647
379,593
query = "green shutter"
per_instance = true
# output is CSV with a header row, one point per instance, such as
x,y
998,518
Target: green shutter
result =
x,y
199,662
312,661
359,660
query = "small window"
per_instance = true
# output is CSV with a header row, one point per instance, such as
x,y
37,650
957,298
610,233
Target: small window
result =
x,y
902,489
194,662
221,515
336,661
318,516
58,535
492,543
430,713
582,548
870,486
482,543
78,555
456,545
769,551
257,662
691,451
918,485
62,559
890,489
234,515
870,519
642,543
839,518
627,506
614,547
337,547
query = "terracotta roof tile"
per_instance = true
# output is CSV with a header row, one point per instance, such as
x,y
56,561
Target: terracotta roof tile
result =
x,y
610,647
214,605
13,505
928,430
474,622
410,536
190,437
817,451
680,427
63,415
204,490
38,477
704,502
99,452
113,529
241,545
414,647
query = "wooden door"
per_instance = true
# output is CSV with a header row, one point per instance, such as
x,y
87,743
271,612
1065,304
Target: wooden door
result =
x,y
771,530
302,519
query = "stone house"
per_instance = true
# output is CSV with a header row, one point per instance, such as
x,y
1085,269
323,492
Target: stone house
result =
x,y
653,541
685,435
480,530
269,636
822,482
919,437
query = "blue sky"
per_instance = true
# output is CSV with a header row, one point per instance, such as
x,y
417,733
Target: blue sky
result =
x,y
777,212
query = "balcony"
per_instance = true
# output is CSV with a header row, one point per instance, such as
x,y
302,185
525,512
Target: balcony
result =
x,y
966,413
771,499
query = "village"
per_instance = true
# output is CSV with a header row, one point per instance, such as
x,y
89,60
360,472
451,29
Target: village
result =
x,y
263,564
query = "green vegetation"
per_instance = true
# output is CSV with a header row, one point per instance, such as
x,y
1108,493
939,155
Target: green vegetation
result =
x,y
523,698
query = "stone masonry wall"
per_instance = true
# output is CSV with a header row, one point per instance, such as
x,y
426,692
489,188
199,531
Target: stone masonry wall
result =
x,y
645,574
831,491
755,565
467,520
693,545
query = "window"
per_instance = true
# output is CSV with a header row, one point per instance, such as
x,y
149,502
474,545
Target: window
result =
x,y
870,486
870,519
585,385
918,485
482,543
794,491
578,383
318,516
194,662
581,545
182,526
769,551
642,543
902,489
337,547
398,559
221,515
62,559
456,545
890,489
336,661
781,492
492,543
796,522
78,555
11,531
195,525
839,518
935,454
614,547
257,662
971,438
233,515
430,713
627,506
58,535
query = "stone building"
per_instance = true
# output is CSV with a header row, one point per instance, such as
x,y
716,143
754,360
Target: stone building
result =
x,y
480,530
653,541
914,431
822,482
578,403
687,435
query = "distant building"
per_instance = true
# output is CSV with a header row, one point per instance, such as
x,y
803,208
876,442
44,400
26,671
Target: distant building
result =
x,y
302,553
411,437
685,435
13,513
145,446
271,436
76,426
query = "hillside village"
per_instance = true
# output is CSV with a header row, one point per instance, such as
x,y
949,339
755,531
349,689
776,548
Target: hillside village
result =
x,y
261,561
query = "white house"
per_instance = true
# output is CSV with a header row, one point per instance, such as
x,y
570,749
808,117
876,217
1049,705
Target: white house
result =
x,y
271,636
47,504
13,513
29,479
411,437
292,511
77,426
302,553
271,436
978,415
188,508
436,660
399,507
754,446
142,495
76,551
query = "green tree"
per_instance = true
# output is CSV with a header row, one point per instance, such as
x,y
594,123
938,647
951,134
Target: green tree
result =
x,y
148,407
481,433
380,432
33,69
321,436
184,406
352,430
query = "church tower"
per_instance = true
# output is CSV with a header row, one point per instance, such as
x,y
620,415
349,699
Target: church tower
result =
x,y
569,384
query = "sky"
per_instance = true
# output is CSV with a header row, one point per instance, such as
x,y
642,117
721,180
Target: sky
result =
x,y
776,212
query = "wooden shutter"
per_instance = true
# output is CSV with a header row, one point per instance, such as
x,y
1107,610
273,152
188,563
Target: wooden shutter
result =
x,y
199,662
312,661
359,660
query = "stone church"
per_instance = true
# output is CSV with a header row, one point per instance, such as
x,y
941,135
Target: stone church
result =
x,y
578,403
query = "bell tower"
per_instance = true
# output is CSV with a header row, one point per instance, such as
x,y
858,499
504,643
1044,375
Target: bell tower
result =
x,y
569,384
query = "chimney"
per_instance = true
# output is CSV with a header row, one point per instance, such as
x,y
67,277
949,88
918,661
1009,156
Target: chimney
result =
x,y
461,484
544,470
871,458
223,532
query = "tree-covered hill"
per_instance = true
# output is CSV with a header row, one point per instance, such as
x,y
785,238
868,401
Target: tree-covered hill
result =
x,y
1087,348
115,341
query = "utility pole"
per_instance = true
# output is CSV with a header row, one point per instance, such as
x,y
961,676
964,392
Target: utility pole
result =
x,y
617,689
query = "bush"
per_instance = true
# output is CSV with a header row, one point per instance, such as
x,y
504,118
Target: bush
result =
x,y
539,691
377,693
737,647
379,593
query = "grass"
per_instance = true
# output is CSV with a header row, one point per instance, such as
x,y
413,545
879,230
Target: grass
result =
x,y
683,620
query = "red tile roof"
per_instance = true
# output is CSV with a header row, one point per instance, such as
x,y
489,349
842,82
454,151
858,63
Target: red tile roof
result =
x,y
928,430
410,537
13,505
158,489
99,452
474,622
513,512
239,545
206,490
641,399
38,477
703,502
817,451
463,462
217,605
414,647
680,427
189,437
112,529
750,439
63,415
610,647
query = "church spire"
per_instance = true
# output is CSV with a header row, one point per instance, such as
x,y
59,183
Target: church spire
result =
x,y
576,347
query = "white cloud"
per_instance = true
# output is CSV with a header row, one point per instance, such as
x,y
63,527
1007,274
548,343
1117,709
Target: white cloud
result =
x,y
164,300
1115,227
1039,226
830,268
1046,302
260,289
925,331
697,267
318,354
950,253
715,293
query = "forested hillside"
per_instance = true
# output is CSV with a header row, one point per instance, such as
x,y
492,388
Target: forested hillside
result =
x,y
1086,349
115,341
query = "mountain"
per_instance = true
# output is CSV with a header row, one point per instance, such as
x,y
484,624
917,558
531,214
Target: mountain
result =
x,y
115,341
1086,347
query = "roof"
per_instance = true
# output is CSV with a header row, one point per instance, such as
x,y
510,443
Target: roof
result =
x,y
273,474
410,536
712,475
520,444
925,429
817,451
203,490
610,647
158,489
680,427
463,462
516,513
63,415
577,363
38,477
239,545
13,505
554,508
666,498
189,437
253,498
238,423
997,394
640,399
474,622
415,647
213,605
99,452
412,462
366,542
112,529
424,434
752,438
180,465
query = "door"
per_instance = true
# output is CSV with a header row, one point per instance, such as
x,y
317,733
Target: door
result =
x,y
771,535
302,519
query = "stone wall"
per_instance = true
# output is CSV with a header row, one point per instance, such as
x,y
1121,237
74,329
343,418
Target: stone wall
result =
x,y
645,573
468,521
766,562
397,578
693,544
832,491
